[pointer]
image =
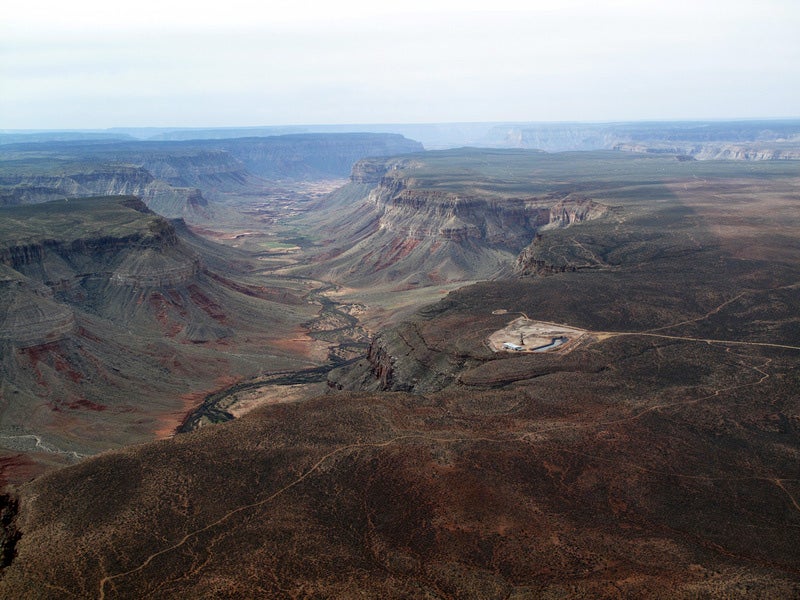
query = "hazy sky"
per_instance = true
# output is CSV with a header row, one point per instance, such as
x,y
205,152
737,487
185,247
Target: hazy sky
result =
x,y
97,64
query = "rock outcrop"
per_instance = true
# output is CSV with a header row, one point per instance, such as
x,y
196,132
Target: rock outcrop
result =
x,y
112,327
718,151
147,254
398,360
74,181
407,232
574,209
568,211
177,179
9,530
29,316
105,180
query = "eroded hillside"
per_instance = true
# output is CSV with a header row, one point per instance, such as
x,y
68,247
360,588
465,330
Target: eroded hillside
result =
x,y
397,225
407,230
112,327
181,179
653,456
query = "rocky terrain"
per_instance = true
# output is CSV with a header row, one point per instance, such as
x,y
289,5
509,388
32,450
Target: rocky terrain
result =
x,y
655,457
709,140
392,225
720,151
169,184
114,322
177,179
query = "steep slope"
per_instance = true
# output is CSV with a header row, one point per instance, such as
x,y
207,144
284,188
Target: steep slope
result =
x,y
674,236
41,180
394,225
460,215
761,150
112,327
653,456
34,179
177,178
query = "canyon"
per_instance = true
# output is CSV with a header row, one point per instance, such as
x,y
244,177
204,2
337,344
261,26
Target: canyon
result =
x,y
389,228
381,446
112,323
177,179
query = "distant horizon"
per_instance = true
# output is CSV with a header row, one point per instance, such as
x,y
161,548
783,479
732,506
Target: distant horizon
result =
x,y
91,65
393,124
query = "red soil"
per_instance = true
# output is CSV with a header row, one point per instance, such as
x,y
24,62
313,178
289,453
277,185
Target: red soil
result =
x,y
299,343
18,468
161,309
87,404
169,422
50,354
206,304
401,248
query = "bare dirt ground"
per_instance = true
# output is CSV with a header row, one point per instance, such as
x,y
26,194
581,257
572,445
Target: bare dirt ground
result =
x,y
382,306
245,402
535,334
169,422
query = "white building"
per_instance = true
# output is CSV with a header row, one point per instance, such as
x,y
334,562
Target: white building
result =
x,y
515,347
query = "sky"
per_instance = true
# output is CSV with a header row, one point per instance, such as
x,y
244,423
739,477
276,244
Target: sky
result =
x,y
88,64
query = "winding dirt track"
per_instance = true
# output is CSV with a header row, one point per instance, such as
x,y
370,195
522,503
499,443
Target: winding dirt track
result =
x,y
524,437
608,334
109,578
713,311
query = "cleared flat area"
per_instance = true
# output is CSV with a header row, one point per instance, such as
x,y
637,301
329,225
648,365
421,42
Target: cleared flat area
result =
x,y
246,402
534,336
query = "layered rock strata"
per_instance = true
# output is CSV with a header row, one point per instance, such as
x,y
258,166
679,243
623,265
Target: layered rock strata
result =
x,y
405,233
29,316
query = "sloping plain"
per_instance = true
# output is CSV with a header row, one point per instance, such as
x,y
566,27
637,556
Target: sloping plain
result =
x,y
657,459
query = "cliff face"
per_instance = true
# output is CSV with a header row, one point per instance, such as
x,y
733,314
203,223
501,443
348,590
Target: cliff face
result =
x,y
148,254
399,359
46,270
569,211
369,171
28,314
414,234
176,179
113,180
120,180
748,152
112,327
206,169
719,151
444,216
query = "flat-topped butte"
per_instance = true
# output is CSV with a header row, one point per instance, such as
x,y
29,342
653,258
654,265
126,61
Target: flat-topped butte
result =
x,y
66,221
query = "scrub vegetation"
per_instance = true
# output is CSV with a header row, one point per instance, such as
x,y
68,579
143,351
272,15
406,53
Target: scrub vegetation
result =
x,y
655,455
